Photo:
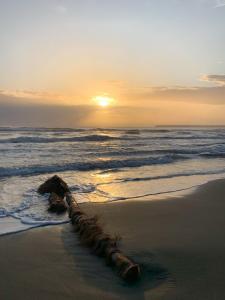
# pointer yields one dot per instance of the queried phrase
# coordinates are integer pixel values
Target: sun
(103, 101)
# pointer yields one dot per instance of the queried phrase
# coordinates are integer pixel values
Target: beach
(112, 150)
(179, 243)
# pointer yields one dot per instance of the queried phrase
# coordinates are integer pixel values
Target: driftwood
(57, 189)
(56, 203)
(91, 232)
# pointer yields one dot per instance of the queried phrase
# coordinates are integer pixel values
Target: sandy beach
(179, 243)
(112, 150)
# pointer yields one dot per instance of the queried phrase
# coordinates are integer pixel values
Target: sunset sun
(103, 101)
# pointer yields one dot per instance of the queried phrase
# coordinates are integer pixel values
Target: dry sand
(179, 242)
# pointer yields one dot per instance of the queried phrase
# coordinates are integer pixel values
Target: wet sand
(179, 243)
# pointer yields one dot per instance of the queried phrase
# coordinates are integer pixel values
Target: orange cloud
(217, 79)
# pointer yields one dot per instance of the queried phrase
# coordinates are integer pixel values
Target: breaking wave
(87, 138)
(87, 166)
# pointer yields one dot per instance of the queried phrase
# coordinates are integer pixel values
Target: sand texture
(179, 242)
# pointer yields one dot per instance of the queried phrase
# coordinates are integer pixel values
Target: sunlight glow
(103, 101)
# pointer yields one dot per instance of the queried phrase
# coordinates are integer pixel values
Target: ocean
(102, 165)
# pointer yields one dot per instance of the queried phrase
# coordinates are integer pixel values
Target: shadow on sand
(95, 272)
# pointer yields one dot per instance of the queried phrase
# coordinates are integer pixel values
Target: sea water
(101, 165)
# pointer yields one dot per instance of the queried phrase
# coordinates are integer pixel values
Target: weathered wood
(57, 189)
(90, 231)
(54, 184)
(102, 244)
(56, 203)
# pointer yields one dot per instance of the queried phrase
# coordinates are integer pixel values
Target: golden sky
(156, 61)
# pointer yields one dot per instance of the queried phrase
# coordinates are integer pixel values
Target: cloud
(17, 110)
(208, 95)
(218, 79)
(32, 97)
(213, 95)
(42, 115)
(129, 95)
(179, 105)
(74, 116)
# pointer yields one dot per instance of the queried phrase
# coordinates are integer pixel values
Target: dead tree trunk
(91, 232)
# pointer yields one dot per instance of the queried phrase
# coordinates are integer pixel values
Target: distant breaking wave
(87, 138)
(87, 166)
(106, 165)
(104, 137)
(41, 129)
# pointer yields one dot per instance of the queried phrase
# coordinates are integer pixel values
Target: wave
(58, 129)
(213, 155)
(172, 137)
(152, 130)
(88, 166)
(216, 152)
(101, 138)
(165, 157)
(132, 131)
(42, 129)
(87, 138)
(181, 137)
(149, 152)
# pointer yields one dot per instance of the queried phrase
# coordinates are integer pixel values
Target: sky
(160, 62)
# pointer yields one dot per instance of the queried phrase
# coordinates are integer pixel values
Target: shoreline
(15, 225)
(178, 241)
